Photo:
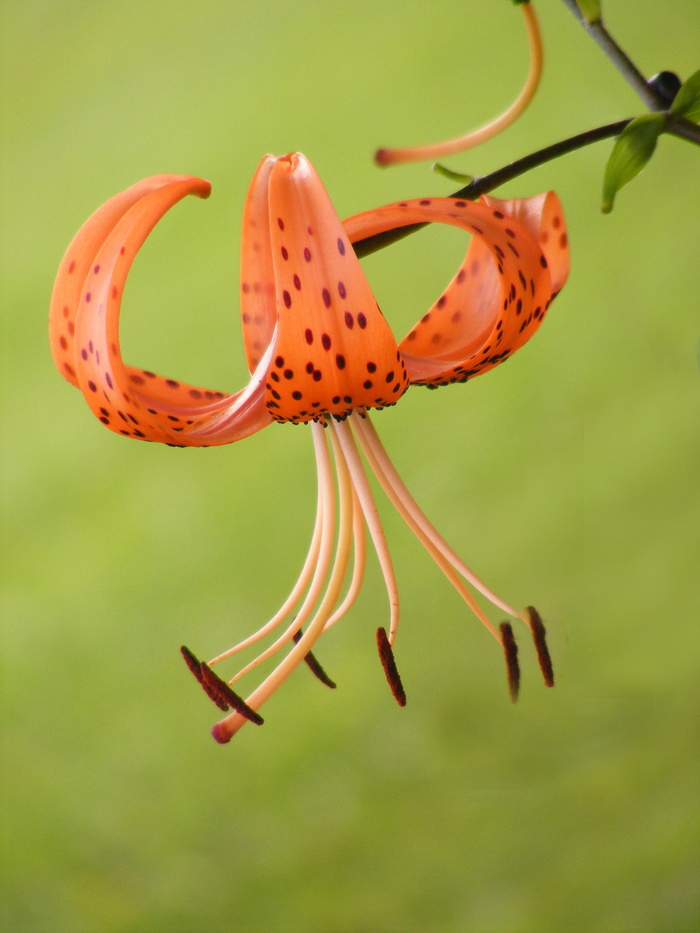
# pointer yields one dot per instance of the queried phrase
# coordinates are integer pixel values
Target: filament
(481, 135)
(444, 556)
(227, 727)
(360, 560)
(309, 570)
(369, 509)
(340, 564)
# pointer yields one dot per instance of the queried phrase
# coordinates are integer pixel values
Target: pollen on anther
(539, 638)
(510, 650)
(386, 656)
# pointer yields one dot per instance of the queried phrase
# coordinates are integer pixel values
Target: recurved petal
(135, 402)
(258, 309)
(492, 306)
(543, 216)
(78, 261)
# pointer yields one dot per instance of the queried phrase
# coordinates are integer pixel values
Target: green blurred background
(568, 478)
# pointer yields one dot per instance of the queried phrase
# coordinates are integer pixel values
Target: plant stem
(488, 182)
(620, 60)
(679, 126)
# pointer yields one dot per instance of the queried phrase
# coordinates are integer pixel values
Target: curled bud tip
(539, 637)
(510, 649)
(220, 734)
(386, 656)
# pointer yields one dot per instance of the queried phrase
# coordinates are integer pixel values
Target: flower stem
(488, 182)
(620, 59)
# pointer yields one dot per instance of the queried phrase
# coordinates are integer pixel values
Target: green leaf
(632, 150)
(687, 100)
(453, 176)
(590, 10)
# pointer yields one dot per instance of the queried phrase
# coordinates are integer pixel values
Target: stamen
(432, 541)
(532, 617)
(192, 661)
(309, 571)
(369, 509)
(360, 560)
(476, 137)
(386, 656)
(510, 650)
(313, 664)
(211, 684)
(224, 730)
(342, 555)
(228, 696)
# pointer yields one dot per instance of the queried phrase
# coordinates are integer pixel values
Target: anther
(386, 656)
(314, 666)
(539, 637)
(510, 650)
(228, 696)
(195, 665)
(217, 689)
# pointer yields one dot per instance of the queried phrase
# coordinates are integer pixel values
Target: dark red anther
(386, 656)
(228, 696)
(195, 665)
(191, 661)
(510, 649)
(539, 637)
(217, 689)
(313, 664)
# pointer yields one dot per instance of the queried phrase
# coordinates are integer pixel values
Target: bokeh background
(568, 478)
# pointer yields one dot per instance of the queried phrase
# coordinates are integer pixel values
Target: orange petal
(258, 311)
(86, 305)
(543, 216)
(334, 351)
(75, 265)
(500, 294)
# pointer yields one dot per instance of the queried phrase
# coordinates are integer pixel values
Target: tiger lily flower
(319, 351)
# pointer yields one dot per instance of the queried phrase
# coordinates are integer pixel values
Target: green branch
(493, 180)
